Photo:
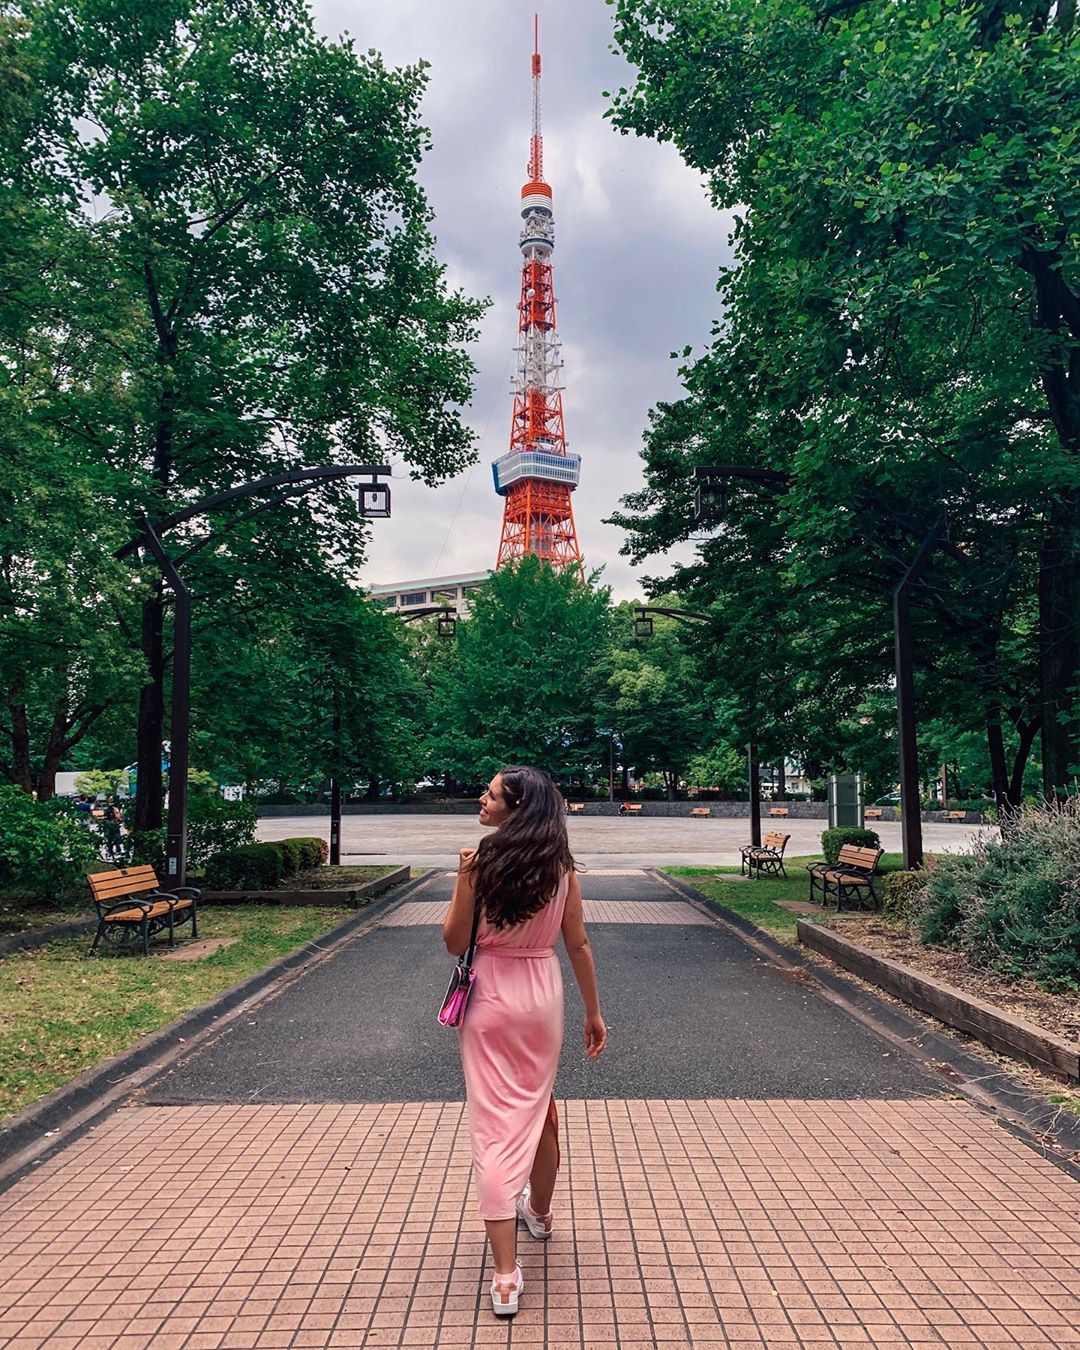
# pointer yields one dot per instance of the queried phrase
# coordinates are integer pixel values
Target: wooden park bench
(630, 809)
(853, 873)
(956, 815)
(765, 859)
(873, 813)
(700, 811)
(131, 904)
(779, 811)
(575, 808)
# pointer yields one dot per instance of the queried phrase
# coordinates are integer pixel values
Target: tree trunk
(1059, 645)
(148, 797)
(1027, 740)
(372, 794)
(54, 751)
(21, 772)
(781, 780)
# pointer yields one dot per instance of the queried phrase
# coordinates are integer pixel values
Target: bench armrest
(126, 903)
(194, 891)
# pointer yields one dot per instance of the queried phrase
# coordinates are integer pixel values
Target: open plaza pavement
(433, 840)
(754, 1161)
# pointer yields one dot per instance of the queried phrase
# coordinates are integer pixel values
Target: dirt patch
(194, 950)
(1059, 1013)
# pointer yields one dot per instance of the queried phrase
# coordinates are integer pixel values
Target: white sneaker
(504, 1296)
(539, 1225)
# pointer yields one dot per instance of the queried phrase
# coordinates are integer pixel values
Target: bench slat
(856, 855)
(159, 908)
(123, 881)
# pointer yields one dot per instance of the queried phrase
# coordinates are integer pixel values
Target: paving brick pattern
(679, 1223)
(417, 912)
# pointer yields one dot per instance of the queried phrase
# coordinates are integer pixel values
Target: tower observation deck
(538, 474)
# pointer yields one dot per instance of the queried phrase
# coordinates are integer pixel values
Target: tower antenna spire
(538, 474)
(536, 145)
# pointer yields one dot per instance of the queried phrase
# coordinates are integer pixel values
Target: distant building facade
(454, 592)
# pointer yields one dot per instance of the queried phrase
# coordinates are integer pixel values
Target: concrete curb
(1023, 1113)
(51, 1123)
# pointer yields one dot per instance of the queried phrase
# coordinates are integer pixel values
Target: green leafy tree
(901, 328)
(522, 685)
(654, 696)
(273, 296)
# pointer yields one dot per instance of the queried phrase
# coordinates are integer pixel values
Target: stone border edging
(74, 1106)
(999, 1030)
(38, 937)
(1022, 1112)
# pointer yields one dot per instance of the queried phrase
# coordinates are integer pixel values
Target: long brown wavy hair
(517, 870)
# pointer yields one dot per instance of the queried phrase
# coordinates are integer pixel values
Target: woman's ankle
(535, 1212)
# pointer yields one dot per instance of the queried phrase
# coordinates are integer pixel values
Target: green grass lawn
(756, 900)
(21, 912)
(62, 1011)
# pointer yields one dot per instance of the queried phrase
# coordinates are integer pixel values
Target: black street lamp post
(910, 807)
(374, 501)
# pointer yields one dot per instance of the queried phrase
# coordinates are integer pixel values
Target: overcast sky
(637, 252)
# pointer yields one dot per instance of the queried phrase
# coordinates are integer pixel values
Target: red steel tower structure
(538, 474)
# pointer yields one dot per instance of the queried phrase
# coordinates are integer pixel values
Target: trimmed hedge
(832, 841)
(262, 867)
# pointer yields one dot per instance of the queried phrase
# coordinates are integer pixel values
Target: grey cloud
(638, 248)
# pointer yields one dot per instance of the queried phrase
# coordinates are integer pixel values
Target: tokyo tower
(537, 475)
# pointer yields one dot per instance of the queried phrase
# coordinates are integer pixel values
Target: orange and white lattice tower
(538, 474)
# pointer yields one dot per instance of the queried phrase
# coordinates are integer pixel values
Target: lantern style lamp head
(446, 625)
(710, 500)
(375, 500)
(643, 625)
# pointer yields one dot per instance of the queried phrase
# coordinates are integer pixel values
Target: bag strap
(467, 959)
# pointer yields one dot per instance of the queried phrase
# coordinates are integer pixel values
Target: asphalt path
(692, 1012)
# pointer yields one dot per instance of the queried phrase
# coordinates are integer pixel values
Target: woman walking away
(523, 882)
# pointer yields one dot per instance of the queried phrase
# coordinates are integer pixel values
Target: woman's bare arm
(579, 950)
(457, 926)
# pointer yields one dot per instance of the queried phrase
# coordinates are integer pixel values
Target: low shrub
(901, 891)
(43, 849)
(251, 867)
(309, 851)
(260, 867)
(291, 856)
(832, 841)
(1013, 905)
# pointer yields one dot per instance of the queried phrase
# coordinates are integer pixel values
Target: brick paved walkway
(742, 1224)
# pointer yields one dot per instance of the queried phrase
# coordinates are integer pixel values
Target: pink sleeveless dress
(510, 1042)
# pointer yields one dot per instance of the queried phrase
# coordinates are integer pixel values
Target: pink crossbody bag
(456, 1000)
